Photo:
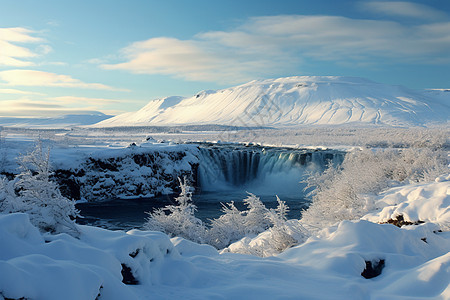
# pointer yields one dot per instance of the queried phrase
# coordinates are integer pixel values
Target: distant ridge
(55, 122)
(294, 101)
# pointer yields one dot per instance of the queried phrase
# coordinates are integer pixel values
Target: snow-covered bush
(345, 192)
(282, 234)
(229, 227)
(180, 219)
(233, 225)
(33, 192)
(8, 201)
(282, 237)
(331, 136)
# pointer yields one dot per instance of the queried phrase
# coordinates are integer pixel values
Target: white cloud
(95, 61)
(24, 110)
(403, 9)
(27, 107)
(19, 92)
(343, 39)
(40, 78)
(30, 104)
(84, 100)
(44, 49)
(53, 63)
(15, 55)
(263, 46)
(108, 106)
(53, 23)
(18, 34)
(192, 60)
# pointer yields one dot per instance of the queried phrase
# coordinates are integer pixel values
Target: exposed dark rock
(143, 159)
(135, 253)
(399, 221)
(102, 165)
(68, 182)
(373, 269)
(99, 293)
(328, 156)
(194, 175)
(6, 298)
(9, 176)
(107, 178)
(127, 275)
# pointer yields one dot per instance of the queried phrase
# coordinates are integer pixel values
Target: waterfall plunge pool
(226, 173)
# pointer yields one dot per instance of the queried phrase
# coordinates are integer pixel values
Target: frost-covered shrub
(229, 227)
(180, 219)
(8, 201)
(331, 136)
(282, 235)
(344, 192)
(233, 225)
(33, 192)
(424, 165)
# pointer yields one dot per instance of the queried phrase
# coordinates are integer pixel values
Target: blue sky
(61, 57)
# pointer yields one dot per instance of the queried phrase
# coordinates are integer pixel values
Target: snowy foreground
(103, 264)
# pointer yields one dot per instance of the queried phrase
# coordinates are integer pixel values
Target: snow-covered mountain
(55, 122)
(292, 101)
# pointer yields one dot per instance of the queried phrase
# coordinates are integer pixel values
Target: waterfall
(260, 170)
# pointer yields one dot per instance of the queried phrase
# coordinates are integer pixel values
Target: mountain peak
(292, 101)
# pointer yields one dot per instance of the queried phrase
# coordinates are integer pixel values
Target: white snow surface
(428, 202)
(329, 266)
(293, 101)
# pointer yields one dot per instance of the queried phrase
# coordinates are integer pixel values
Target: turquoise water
(132, 213)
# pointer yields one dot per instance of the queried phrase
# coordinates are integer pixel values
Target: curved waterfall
(260, 169)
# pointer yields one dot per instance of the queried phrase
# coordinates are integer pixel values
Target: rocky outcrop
(136, 172)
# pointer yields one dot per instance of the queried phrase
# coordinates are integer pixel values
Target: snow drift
(412, 261)
(292, 101)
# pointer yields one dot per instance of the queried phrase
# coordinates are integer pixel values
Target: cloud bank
(19, 77)
(33, 109)
(55, 106)
(265, 46)
(403, 9)
(13, 55)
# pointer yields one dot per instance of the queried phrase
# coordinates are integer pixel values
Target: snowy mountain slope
(291, 101)
(440, 95)
(55, 122)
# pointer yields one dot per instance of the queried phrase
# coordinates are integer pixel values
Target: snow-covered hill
(55, 122)
(292, 101)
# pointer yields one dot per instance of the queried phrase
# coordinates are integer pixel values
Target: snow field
(328, 266)
(424, 202)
